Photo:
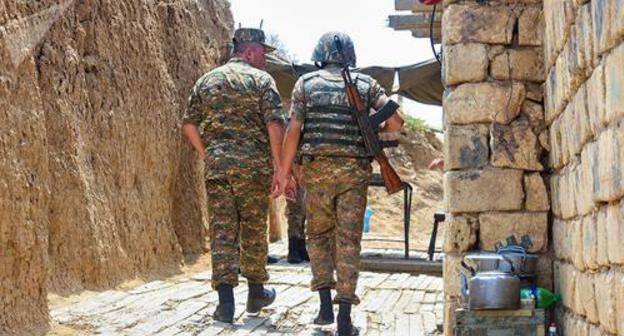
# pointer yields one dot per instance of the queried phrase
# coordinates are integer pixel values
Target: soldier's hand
(436, 164)
(279, 183)
(291, 190)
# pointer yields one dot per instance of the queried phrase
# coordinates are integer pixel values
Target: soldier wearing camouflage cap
(336, 171)
(235, 121)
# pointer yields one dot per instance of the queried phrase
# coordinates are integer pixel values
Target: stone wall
(584, 100)
(496, 136)
(97, 185)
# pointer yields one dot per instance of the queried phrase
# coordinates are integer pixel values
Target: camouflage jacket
(232, 105)
(320, 103)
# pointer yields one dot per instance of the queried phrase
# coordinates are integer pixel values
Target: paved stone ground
(392, 304)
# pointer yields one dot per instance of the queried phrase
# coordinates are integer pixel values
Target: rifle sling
(384, 113)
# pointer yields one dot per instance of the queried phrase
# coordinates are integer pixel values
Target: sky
(300, 24)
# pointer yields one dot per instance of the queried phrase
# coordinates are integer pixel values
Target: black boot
(345, 327)
(303, 251)
(326, 313)
(225, 309)
(272, 260)
(294, 255)
(259, 298)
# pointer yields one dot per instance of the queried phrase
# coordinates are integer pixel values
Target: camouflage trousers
(295, 213)
(237, 207)
(335, 201)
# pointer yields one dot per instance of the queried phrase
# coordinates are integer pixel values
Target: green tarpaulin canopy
(420, 82)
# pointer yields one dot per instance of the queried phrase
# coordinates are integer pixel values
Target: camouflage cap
(251, 35)
(326, 51)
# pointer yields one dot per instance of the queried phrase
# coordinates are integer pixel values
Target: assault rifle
(392, 181)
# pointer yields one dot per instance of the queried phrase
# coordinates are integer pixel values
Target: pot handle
(464, 286)
(468, 268)
(511, 267)
(515, 249)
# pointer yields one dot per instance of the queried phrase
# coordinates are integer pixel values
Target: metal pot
(491, 289)
(485, 261)
(524, 264)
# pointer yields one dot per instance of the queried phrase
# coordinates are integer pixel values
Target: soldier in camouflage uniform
(336, 171)
(235, 121)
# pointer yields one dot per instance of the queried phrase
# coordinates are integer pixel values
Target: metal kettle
(491, 289)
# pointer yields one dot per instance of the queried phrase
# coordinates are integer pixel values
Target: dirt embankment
(96, 184)
(410, 159)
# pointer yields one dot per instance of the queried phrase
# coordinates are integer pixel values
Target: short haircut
(242, 47)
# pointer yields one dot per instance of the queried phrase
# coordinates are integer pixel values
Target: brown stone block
(586, 296)
(477, 23)
(484, 103)
(465, 63)
(531, 27)
(466, 147)
(603, 19)
(555, 144)
(562, 239)
(451, 270)
(602, 246)
(490, 189)
(585, 42)
(550, 93)
(535, 112)
(525, 64)
(615, 233)
(535, 92)
(596, 100)
(608, 184)
(576, 233)
(590, 242)
(618, 27)
(503, 228)
(567, 196)
(460, 234)
(619, 301)
(565, 283)
(536, 195)
(554, 32)
(614, 84)
(515, 146)
(584, 180)
(582, 131)
(606, 297)
(589, 169)
(555, 198)
(564, 83)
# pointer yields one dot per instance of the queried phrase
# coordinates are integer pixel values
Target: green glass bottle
(542, 296)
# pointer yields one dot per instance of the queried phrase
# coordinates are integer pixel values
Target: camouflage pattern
(237, 209)
(251, 35)
(326, 51)
(336, 176)
(335, 205)
(231, 106)
(319, 101)
(295, 213)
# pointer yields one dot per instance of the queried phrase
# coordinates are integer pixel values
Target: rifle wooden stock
(392, 181)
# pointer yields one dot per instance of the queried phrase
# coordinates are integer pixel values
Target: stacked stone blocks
(584, 100)
(496, 133)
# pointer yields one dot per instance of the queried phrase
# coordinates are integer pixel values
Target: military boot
(303, 251)
(259, 298)
(225, 309)
(294, 251)
(326, 313)
(345, 327)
